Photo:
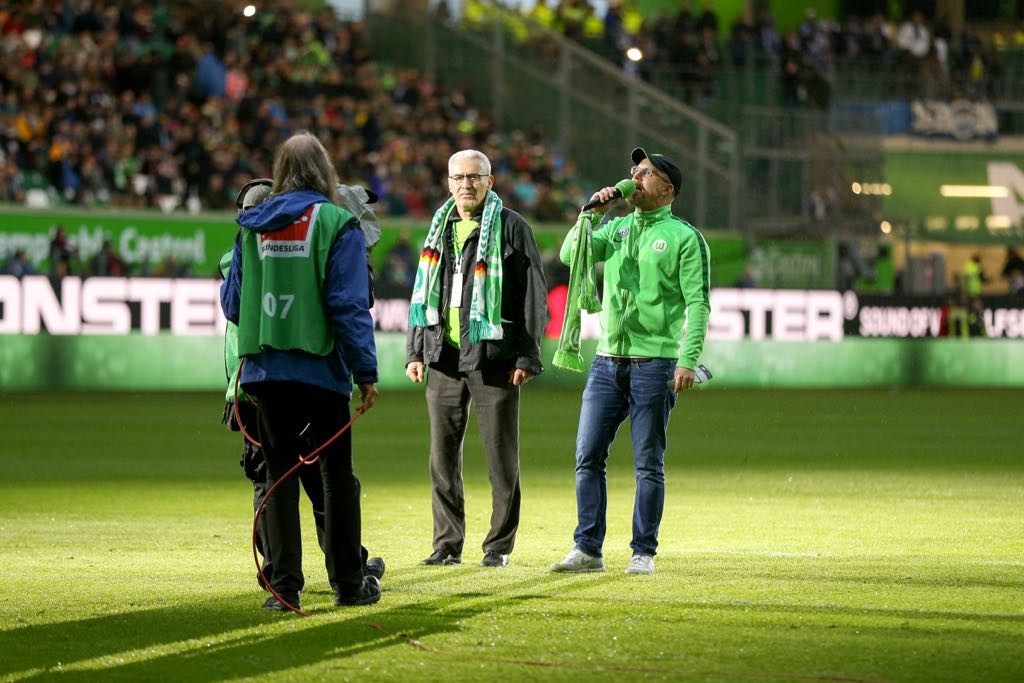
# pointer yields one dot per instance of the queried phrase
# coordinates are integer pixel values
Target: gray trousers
(449, 395)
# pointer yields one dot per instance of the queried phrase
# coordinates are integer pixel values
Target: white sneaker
(641, 564)
(578, 561)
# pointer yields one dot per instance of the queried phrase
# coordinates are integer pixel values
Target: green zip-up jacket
(657, 276)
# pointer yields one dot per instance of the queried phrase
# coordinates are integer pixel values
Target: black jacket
(524, 312)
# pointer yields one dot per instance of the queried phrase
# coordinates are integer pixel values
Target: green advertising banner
(161, 362)
(940, 192)
(144, 240)
(792, 264)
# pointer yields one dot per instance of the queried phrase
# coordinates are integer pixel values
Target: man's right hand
(414, 371)
(605, 196)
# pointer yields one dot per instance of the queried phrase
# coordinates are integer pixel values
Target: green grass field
(808, 536)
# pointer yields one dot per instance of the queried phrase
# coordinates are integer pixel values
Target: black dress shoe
(375, 568)
(367, 594)
(441, 557)
(492, 559)
(272, 604)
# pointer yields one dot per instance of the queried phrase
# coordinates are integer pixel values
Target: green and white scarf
(582, 294)
(485, 306)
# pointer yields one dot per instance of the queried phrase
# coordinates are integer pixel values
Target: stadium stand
(124, 106)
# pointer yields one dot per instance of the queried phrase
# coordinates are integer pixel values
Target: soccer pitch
(808, 536)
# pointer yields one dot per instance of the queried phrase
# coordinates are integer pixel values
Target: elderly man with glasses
(476, 319)
(656, 278)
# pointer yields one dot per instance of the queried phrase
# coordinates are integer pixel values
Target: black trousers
(293, 419)
(449, 394)
(255, 467)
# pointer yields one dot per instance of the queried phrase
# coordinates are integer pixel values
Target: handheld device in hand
(700, 375)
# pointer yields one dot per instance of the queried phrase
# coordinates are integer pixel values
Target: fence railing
(593, 111)
(806, 176)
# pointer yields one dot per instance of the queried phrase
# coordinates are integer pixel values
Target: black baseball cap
(664, 164)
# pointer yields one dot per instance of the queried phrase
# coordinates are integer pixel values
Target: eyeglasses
(473, 178)
(644, 171)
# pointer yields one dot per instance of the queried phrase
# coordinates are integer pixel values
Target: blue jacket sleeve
(347, 296)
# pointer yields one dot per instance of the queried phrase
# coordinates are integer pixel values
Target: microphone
(624, 188)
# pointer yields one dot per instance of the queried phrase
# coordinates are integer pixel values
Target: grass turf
(808, 536)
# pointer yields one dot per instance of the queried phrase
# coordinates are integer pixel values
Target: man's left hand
(519, 377)
(368, 392)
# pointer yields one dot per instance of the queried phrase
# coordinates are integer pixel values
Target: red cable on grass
(303, 460)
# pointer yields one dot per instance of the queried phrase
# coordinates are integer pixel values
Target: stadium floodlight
(634, 54)
(974, 191)
(249, 11)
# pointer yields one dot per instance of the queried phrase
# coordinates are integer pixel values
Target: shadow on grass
(230, 637)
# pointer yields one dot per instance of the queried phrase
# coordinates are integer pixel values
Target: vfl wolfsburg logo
(658, 246)
(623, 231)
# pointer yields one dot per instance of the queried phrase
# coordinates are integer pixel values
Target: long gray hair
(302, 163)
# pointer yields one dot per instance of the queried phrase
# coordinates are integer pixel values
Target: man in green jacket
(656, 278)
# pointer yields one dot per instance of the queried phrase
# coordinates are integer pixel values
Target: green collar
(645, 218)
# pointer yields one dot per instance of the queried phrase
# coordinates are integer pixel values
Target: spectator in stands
(548, 206)
(18, 265)
(1013, 262)
(973, 277)
(174, 268)
(400, 269)
(769, 39)
(61, 252)
(443, 12)
(708, 20)
(615, 38)
(571, 16)
(747, 280)
(914, 38)
(106, 262)
(976, 318)
(945, 326)
(1017, 283)
(877, 38)
(741, 38)
(956, 316)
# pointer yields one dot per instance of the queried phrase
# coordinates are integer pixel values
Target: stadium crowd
(177, 105)
(690, 48)
(123, 105)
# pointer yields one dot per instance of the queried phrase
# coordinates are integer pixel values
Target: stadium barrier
(161, 334)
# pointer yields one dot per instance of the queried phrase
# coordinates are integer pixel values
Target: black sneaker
(493, 559)
(441, 557)
(272, 604)
(367, 594)
(375, 568)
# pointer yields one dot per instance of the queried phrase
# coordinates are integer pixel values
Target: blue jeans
(615, 391)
